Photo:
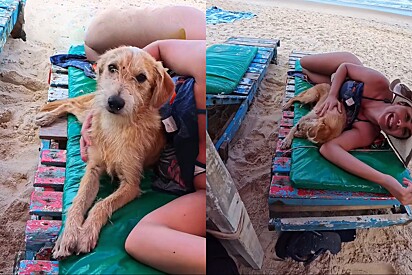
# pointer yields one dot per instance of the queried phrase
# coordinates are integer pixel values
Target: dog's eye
(112, 68)
(140, 78)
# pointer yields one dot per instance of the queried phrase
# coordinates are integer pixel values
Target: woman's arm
(185, 57)
(188, 58)
(375, 80)
(336, 151)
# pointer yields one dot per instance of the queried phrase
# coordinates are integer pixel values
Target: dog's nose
(116, 103)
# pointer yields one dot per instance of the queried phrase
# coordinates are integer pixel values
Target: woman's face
(396, 120)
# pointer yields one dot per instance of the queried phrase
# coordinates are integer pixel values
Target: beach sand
(51, 27)
(382, 41)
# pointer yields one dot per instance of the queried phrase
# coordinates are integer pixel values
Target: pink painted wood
(53, 157)
(286, 122)
(40, 238)
(283, 132)
(50, 176)
(29, 267)
(288, 114)
(46, 203)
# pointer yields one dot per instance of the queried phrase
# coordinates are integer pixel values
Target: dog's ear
(319, 134)
(101, 64)
(164, 87)
(312, 131)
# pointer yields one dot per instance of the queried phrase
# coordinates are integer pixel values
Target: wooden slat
(286, 122)
(338, 223)
(288, 114)
(59, 70)
(56, 93)
(40, 237)
(59, 80)
(47, 203)
(325, 208)
(50, 176)
(283, 132)
(56, 131)
(53, 157)
(273, 43)
(31, 267)
(251, 44)
(281, 165)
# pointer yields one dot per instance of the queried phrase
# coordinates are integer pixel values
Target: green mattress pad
(226, 65)
(311, 170)
(109, 257)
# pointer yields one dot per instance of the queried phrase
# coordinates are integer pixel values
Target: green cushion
(109, 257)
(310, 170)
(226, 65)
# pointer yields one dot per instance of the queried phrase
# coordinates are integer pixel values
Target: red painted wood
(50, 176)
(288, 114)
(283, 132)
(286, 122)
(29, 267)
(40, 238)
(46, 203)
(53, 157)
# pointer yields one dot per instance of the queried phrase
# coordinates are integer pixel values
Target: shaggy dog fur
(126, 135)
(318, 130)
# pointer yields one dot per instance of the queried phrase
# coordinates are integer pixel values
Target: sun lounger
(304, 181)
(244, 90)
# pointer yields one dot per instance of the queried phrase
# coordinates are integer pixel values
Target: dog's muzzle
(115, 104)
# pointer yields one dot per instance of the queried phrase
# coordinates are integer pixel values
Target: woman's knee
(135, 239)
(348, 57)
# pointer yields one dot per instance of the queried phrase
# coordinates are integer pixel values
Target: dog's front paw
(88, 238)
(44, 119)
(65, 244)
(286, 143)
(287, 105)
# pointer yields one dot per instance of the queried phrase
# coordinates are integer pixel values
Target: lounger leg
(89, 186)
(100, 213)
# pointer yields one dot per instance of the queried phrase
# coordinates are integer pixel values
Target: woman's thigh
(185, 214)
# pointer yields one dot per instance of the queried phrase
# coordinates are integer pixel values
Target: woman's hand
(330, 103)
(85, 141)
(402, 194)
(406, 197)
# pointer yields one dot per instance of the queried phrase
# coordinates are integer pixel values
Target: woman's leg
(172, 238)
(320, 67)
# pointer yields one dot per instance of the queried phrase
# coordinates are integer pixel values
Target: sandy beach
(382, 42)
(51, 27)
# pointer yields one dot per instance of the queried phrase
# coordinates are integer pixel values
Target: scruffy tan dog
(126, 136)
(317, 129)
